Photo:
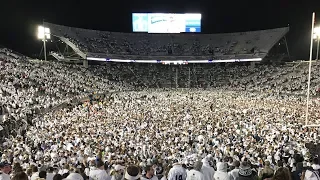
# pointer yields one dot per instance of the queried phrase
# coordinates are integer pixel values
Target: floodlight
(43, 33)
(316, 35)
(317, 30)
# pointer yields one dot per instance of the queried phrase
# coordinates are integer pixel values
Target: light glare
(43, 33)
(316, 32)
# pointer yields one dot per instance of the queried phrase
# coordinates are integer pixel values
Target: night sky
(19, 19)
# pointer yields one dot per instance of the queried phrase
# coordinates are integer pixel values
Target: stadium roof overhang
(91, 56)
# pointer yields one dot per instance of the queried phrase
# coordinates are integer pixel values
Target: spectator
(234, 174)
(195, 173)
(149, 174)
(207, 170)
(221, 172)
(35, 173)
(57, 177)
(282, 174)
(50, 173)
(43, 174)
(20, 176)
(267, 172)
(246, 173)
(296, 175)
(177, 172)
(315, 164)
(5, 167)
(118, 173)
(99, 173)
(132, 173)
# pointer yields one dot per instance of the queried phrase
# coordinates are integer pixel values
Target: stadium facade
(96, 45)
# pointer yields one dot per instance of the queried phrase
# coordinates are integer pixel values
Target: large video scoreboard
(166, 22)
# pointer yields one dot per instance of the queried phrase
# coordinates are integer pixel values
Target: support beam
(252, 65)
(85, 63)
(176, 76)
(44, 48)
(317, 58)
(285, 40)
(189, 83)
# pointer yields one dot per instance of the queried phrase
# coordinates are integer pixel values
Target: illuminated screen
(166, 22)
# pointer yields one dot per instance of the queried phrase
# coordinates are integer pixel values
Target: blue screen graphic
(193, 25)
(140, 22)
(166, 22)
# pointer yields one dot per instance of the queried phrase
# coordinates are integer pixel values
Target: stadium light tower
(310, 59)
(44, 34)
(316, 36)
(314, 31)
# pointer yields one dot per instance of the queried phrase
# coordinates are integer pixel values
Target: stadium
(166, 103)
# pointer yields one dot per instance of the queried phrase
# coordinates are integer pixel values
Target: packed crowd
(246, 44)
(290, 78)
(30, 87)
(246, 125)
(191, 134)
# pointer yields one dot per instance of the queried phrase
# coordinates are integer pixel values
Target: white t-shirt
(194, 175)
(63, 171)
(99, 174)
(234, 174)
(310, 175)
(177, 172)
(4, 176)
(50, 176)
(35, 176)
(208, 172)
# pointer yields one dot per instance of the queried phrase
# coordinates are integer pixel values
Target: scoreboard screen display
(166, 22)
